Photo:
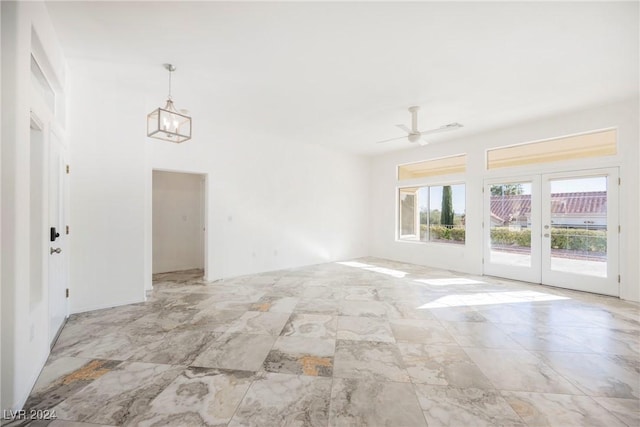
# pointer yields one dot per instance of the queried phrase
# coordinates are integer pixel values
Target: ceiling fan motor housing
(414, 137)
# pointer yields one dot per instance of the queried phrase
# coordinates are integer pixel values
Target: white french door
(557, 229)
(512, 231)
(580, 231)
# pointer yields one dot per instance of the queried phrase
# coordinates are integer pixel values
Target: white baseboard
(101, 307)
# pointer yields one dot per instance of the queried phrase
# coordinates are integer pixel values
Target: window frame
(416, 221)
(439, 181)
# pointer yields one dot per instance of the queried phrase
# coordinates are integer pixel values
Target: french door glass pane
(511, 224)
(578, 235)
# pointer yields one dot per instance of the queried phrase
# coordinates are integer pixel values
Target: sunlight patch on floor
(488, 298)
(369, 267)
(450, 281)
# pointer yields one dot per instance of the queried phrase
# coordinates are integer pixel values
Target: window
(432, 213)
(433, 167)
(41, 85)
(596, 144)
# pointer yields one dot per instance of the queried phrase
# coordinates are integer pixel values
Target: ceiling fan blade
(404, 128)
(445, 128)
(392, 139)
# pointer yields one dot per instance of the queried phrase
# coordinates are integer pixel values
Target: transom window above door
(588, 145)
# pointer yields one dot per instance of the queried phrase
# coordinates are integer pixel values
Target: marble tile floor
(368, 342)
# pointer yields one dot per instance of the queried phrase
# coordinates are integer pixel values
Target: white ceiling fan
(414, 135)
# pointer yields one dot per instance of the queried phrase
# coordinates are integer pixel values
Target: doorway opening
(178, 222)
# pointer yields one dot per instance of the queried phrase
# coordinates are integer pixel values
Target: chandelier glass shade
(167, 123)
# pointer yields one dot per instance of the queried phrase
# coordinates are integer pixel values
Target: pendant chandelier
(168, 123)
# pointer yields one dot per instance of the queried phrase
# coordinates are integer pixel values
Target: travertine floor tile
(538, 409)
(450, 406)
(379, 361)
(373, 403)
(280, 399)
(301, 356)
(366, 342)
(244, 352)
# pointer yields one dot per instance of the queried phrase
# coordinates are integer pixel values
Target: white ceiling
(342, 74)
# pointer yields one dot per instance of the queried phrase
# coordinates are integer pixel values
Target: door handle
(54, 251)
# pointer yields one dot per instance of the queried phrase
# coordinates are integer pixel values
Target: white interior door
(48, 203)
(580, 231)
(57, 237)
(557, 229)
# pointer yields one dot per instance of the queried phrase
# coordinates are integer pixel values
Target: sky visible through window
(579, 185)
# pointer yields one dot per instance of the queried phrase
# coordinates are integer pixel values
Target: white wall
(178, 241)
(107, 207)
(274, 204)
(271, 203)
(468, 258)
(1, 387)
(25, 328)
